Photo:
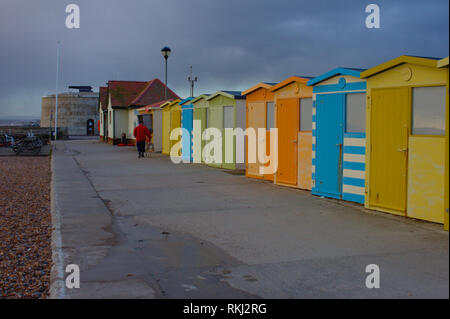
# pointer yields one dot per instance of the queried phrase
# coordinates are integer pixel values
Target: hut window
(428, 110)
(228, 117)
(356, 113)
(269, 117)
(306, 114)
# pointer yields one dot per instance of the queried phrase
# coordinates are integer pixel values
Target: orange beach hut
(293, 119)
(260, 114)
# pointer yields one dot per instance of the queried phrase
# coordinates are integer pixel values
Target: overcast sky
(231, 44)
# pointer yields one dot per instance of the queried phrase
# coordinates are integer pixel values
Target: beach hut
(152, 118)
(187, 116)
(175, 122)
(339, 134)
(293, 119)
(406, 137)
(226, 109)
(260, 114)
(165, 127)
(200, 113)
(443, 64)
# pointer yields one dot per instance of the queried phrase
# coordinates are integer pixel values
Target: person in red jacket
(141, 132)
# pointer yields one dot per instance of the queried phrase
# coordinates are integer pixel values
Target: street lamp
(56, 91)
(165, 53)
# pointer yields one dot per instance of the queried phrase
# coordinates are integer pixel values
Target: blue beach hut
(339, 134)
(187, 115)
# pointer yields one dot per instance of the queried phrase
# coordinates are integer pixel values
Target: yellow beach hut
(175, 122)
(406, 137)
(166, 127)
(444, 64)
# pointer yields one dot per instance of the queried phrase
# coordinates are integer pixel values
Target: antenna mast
(192, 82)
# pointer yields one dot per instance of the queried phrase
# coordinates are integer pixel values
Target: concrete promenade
(147, 228)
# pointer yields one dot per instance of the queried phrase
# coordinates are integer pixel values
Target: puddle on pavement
(174, 265)
(183, 266)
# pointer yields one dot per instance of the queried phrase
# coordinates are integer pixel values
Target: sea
(19, 120)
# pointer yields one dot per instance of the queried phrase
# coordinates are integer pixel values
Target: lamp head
(165, 52)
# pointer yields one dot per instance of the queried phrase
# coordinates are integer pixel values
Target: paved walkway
(152, 229)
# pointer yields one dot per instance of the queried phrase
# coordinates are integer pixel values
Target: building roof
(156, 105)
(186, 100)
(103, 97)
(425, 61)
(122, 93)
(442, 63)
(81, 88)
(137, 93)
(337, 71)
(153, 92)
(292, 79)
(170, 103)
(200, 97)
(261, 85)
(237, 95)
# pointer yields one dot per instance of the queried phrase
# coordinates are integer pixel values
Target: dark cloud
(231, 44)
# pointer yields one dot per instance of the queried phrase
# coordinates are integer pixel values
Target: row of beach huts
(375, 136)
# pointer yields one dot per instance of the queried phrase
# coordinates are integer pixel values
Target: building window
(355, 113)
(206, 118)
(109, 116)
(428, 110)
(228, 117)
(269, 117)
(306, 114)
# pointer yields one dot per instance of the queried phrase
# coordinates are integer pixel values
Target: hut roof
(425, 61)
(337, 71)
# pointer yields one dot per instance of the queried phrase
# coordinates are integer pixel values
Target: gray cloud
(231, 44)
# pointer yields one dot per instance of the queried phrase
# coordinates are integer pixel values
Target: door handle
(402, 149)
(294, 141)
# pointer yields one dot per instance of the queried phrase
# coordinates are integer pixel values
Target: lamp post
(165, 53)
(56, 91)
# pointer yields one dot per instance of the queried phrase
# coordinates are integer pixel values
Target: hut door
(187, 136)
(256, 119)
(287, 124)
(329, 131)
(90, 127)
(175, 122)
(228, 122)
(389, 130)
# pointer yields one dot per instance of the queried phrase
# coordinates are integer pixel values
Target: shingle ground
(25, 227)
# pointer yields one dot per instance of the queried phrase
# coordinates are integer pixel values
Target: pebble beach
(25, 227)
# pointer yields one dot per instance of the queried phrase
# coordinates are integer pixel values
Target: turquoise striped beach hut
(187, 117)
(339, 134)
